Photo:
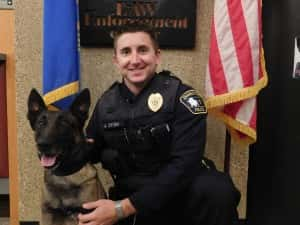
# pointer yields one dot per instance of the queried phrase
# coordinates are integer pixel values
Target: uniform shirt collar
(128, 95)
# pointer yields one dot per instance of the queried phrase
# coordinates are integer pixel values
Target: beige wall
(97, 73)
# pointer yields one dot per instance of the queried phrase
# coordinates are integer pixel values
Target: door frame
(7, 46)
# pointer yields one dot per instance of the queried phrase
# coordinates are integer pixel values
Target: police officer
(150, 133)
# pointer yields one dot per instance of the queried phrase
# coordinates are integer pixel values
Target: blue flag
(61, 52)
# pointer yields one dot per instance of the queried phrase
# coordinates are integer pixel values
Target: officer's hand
(90, 140)
(104, 213)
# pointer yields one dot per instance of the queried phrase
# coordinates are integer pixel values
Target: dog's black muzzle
(68, 211)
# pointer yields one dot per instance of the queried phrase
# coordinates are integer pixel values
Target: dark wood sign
(174, 20)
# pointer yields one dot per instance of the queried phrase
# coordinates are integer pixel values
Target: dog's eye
(42, 121)
(64, 122)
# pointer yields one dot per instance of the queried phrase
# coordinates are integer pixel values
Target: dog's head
(57, 132)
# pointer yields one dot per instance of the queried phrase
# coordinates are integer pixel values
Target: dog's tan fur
(89, 189)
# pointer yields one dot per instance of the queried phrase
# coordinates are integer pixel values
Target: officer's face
(136, 58)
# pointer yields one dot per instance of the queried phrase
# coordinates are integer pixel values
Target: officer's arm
(94, 137)
(188, 143)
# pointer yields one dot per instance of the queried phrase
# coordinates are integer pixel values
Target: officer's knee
(212, 199)
(215, 189)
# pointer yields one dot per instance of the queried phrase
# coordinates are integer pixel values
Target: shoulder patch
(193, 102)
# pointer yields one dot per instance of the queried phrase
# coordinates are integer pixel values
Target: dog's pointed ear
(80, 106)
(35, 105)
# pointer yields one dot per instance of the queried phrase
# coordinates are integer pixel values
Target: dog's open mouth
(48, 161)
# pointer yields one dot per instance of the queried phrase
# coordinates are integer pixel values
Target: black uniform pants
(211, 199)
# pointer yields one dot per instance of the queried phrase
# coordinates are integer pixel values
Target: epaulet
(168, 74)
(116, 83)
(165, 73)
(107, 91)
(113, 85)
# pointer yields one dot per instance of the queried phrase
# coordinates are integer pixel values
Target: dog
(69, 179)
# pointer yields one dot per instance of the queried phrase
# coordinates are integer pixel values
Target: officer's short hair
(136, 27)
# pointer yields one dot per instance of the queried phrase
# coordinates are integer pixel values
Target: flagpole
(227, 152)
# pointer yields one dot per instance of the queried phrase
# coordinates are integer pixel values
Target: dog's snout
(43, 144)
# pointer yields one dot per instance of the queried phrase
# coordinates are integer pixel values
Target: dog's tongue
(48, 161)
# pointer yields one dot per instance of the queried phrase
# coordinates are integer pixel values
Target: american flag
(236, 70)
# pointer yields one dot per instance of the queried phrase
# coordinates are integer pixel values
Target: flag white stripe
(250, 11)
(208, 84)
(245, 112)
(227, 47)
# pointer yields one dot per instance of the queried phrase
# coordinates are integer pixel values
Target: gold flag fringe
(234, 125)
(242, 94)
(52, 108)
(62, 92)
(215, 105)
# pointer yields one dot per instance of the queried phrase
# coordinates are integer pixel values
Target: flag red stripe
(260, 75)
(233, 108)
(216, 69)
(260, 37)
(241, 41)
